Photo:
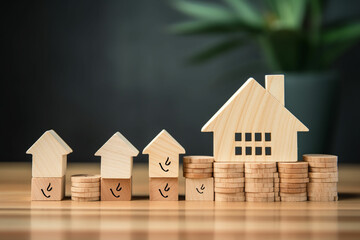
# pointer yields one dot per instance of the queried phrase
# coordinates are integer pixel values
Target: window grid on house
(258, 139)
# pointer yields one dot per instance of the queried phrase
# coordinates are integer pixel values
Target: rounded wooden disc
(322, 185)
(293, 175)
(259, 175)
(85, 194)
(260, 199)
(293, 165)
(198, 159)
(260, 170)
(322, 165)
(228, 190)
(259, 180)
(228, 165)
(323, 170)
(228, 170)
(82, 199)
(292, 185)
(321, 158)
(81, 189)
(293, 170)
(235, 199)
(85, 178)
(198, 165)
(260, 165)
(276, 174)
(276, 180)
(228, 175)
(324, 180)
(292, 190)
(276, 184)
(229, 195)
(294, 180)
(323, 194)
(284, 194)
(323, 175)
(85, 185)
(265, 190)
(197, 170)
(259, 185)
(293, 199)
(229, 185)
(323, 199)
(197, 175)
(261, 194)
(229, 180)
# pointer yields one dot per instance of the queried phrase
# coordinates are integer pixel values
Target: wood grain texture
(116, 189)
(21, 218)
(253, 109)
(275, 85)
(117, 157)
(49, 155)
(164, 189)
(199, 189)
(48, 188)
(163, 153)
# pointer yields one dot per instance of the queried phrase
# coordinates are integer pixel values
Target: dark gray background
(90, 68)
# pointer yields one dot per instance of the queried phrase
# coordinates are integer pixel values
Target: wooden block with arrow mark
(201, 189)
(164, 189)
(48, 188)
(116, 189)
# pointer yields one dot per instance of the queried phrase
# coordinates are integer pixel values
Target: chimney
(274, 84)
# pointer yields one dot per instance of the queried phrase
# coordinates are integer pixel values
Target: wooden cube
(164, 189)
(200, 189)
(47, 188)
(116, 189)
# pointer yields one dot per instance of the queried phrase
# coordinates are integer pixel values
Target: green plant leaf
(217, 50)
(204, 11)
(245, 12)
(344, 33)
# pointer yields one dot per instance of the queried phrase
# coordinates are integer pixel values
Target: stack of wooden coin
(293, 179)
(259, 182)
(198, 166)
(85, 188)
(323, 174)
(229, 182)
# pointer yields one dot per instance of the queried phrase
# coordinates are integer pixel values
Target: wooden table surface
(139, 219)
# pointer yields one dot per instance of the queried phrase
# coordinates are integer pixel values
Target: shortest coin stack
(85, 188)
(323, 174)
(293, 179)
(259, 182)
(198, 166)
(229, 182)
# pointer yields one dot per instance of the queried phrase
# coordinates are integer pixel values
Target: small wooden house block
(254, 125)
(47, 188)
(164, 189)
(49, 155)
(163, 153)
(199, 189)
(117, 157)
(116, 189)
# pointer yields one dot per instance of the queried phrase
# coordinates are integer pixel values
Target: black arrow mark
(163, 168)
(167, 162)
(45, 194)
(166, 189)
(118, 188)
(117, 196)
(49, 188)
(202, 188)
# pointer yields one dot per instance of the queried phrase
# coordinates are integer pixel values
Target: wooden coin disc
(229, 199)
(260, 165)
(276, 180)
(293, 175)
(293, 199)
(259, 175)
(323, 199)
(276, 184)
(198, 170)
(259, 180)
(293, 190)
(323, 175)
(228, 175)
(197, 175)
(294, 180)
(302, 194)
(229, 180)
(322, 185)
(85, 194)
(320, 158)
(198, 165)
(85, 185)
(229, 185)
(230, 195)
(85, 178)
(292, 185)
(228, 170)
(82, 199)
(276, 174)
(259, 185)
(324, 180)
(322, 194)
(228, 190)
(322, 165)
(260, 199)
(228, 165)
(198, 159)
(323, 170)
(293, 165)
(260, 170)
(260, 194)
(79, 189)
(293, 170)
(264, 190)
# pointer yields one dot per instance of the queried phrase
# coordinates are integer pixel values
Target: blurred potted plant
(293, 39)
